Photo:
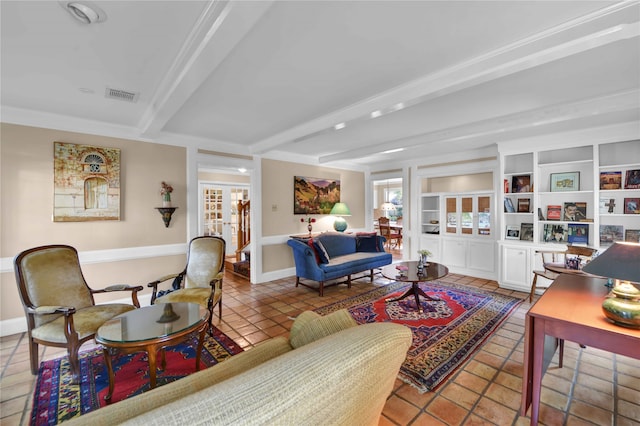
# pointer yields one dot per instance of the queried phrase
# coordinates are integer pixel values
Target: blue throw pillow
(367, 243)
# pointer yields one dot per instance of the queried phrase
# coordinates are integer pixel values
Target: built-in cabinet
(559, 196)
(457, 229)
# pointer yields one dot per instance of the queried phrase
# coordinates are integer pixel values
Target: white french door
(218, 212)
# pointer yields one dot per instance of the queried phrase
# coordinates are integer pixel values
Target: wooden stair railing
(244, 227)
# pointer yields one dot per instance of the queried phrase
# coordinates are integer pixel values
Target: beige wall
(461, 183)
(27, 205)
(277, 206)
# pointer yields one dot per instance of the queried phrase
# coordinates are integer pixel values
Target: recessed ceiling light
(242, 170)
(84, 11)
(86, 90)
(398, 106)
(389, 151)
(340, 126)
(375, 114)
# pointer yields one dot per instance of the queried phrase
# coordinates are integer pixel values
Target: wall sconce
(340, 210)
(166, 213)
(621, 262)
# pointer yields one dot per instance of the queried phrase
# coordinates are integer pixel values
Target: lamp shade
(620, 261)
(340, 209)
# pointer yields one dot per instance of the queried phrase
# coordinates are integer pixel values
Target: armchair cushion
(198, 295)
(86, 321)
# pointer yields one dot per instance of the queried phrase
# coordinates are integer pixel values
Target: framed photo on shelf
(632, 206)
(574, 212)
(610, 233)
(523, 205)
(554, 233)
(513, 232)
(508, 205)
(568, 181)
(521, 183)
(578, 233)
(632, 179)
(632, 235)
(526, 231)
(610, 180)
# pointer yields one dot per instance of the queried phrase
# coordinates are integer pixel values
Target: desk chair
(569, 261)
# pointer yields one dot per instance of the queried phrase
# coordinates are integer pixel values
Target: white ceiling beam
(222, 25)
(618, 102)
(566, 40)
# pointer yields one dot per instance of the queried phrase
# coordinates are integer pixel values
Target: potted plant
(424, 255)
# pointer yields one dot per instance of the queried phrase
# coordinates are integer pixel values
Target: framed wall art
(86, 183)
(568, 181)
(314, 195)
(632, 179)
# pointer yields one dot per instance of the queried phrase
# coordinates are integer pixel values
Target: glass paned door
(219, 211)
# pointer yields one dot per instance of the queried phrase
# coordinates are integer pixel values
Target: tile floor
(593, 388)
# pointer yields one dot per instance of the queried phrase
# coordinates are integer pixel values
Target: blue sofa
(333, 255)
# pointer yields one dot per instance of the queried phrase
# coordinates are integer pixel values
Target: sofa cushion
(337, 243)
(321, 251)
(309, 326)
(367, 242)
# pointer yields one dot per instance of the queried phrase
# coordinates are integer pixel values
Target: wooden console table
(570, 309)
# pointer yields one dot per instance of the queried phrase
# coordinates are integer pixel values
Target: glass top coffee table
(432, 271)
(149, 329)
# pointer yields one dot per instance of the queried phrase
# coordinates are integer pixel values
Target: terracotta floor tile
(426, 419)
(471, 381)
(555, 399)
(399, 410)
(447, 411)
(629, 410)
(494, 412)
(462, 396)
(416, 398)
(593, 397)
(480, 369)
(504, 396)
(589, 412)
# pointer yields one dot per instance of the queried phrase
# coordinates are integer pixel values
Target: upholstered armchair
(58, 303)
(200, 281)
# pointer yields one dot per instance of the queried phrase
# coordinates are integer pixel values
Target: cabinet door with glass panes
(468, 214)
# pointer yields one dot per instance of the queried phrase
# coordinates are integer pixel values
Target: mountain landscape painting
(314, 195)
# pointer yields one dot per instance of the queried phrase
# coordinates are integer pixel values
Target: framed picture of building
(86, 183)
(569, 181)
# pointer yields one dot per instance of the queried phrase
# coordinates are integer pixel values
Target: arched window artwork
(94, 163)
(87, 183)
(95, 193)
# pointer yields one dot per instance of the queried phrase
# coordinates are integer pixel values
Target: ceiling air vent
(121, 95)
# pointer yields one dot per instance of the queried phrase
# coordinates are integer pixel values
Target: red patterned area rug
(445, 334)
(56, 399)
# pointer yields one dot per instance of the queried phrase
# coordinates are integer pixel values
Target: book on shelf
(526, 231)
(610, 180)
(554, 212)
(554, 233)
(523, 205)
(508, 205)
(521, 183)
(506, 186)
(611, 233)
(578, 233)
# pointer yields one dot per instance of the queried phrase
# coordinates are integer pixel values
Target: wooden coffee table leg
(151, 352)
(112, 379)
(200, 345)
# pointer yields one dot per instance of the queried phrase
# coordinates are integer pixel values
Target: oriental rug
(55, 399)
(445, 334)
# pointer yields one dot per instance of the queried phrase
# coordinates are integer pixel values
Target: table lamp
(340, 210)
(621, 262)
